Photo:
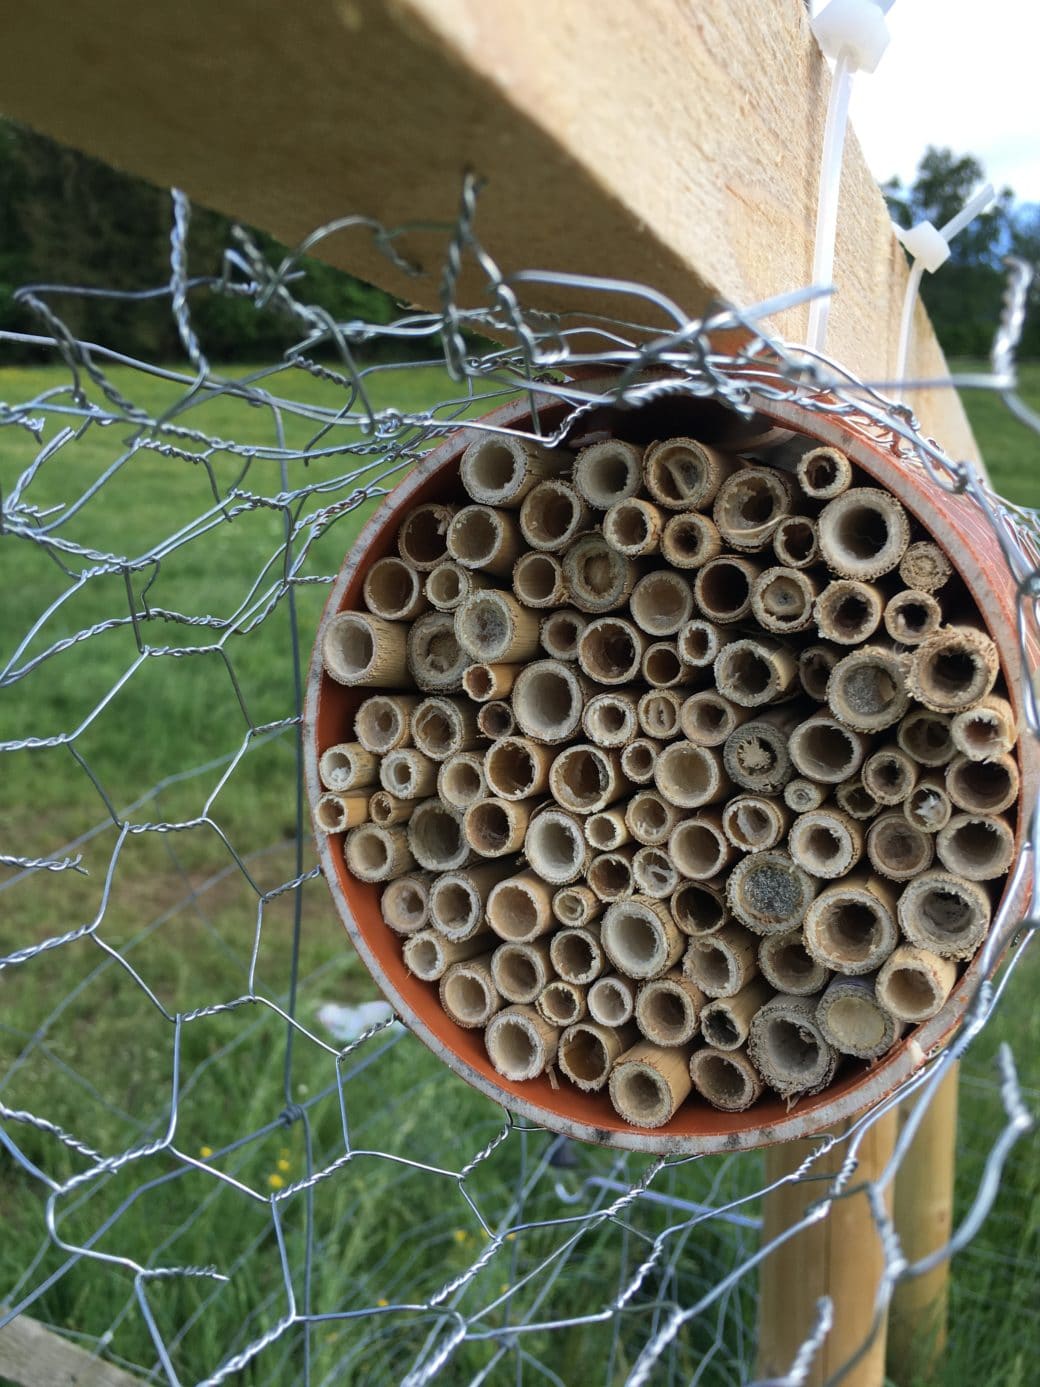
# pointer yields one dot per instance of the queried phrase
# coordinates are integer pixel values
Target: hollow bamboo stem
(520, 1043)
(501, 469)
(538, 580)
(853, 1022)
(824, 473)
(726, 1021)
(436, 661)
(335, 813)
(405, 903)
(519, 908)
(682, 474)
(788, 965)
(851, 927)
(522, 971)
(588, 1051)
(384, 722)
(690, 540)
(647, 1084)
(552, 516)
(358, 648)
(634, 527)
(486, 538)
(493, 628)
(348, 766)
(750, 504)
(722, 964)
(460, 780)
(422, 537)
(788, 1048)
(726, 1078)
(925, 566)
(668, 1009)
(863, 533)
(468, 994)
(607, 472)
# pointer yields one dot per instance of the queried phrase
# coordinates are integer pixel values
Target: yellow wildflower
(205, 1152)
(284, 1165)
(460, 1235)
(276, 1182)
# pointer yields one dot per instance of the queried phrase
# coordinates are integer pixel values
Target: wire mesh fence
(217, 1164)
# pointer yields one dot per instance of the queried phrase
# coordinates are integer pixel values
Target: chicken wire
(219, 1187)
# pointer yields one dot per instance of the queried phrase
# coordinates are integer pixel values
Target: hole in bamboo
(444, 586)
(791, 1047)
(467, 997)
(585, 1056)
(421, 538)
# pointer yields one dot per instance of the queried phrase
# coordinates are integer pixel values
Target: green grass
(82, 1044)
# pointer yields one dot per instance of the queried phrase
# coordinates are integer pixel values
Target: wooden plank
(670, 143)
(32, 1355)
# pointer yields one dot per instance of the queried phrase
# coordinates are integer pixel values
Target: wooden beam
(674, 144)
(31, 1355)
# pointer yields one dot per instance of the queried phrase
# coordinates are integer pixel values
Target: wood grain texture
(672, 143)
(32, 1355)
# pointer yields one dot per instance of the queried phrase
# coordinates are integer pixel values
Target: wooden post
(840, 1256)
(924, 1221)
(31, 1355)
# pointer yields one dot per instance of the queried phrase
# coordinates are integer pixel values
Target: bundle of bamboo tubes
(686, 775)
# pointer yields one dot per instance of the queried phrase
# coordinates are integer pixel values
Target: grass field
(83, 1045)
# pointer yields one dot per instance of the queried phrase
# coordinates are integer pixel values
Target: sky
(959, 73)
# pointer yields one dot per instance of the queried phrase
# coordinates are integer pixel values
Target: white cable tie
(854, 27)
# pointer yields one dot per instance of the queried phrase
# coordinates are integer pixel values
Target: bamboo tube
(648, 1085)
(610, 649)
(384, 722)
(493, 628)
(612, 719)
(826, 842)
(953, 669)
(699, 848)
(459, 900)
(576, 906)
(668, 1009)
(863, 533)
(495, 719)
(722, 588)
(944, 913)
(519, 908)
(662, 602)
(393, 590)
(928, 807)
(555, 847)
(560, 633)
(538, 580)
(634, 527)
(442, 727)
(436, 661)
(358, 648)
(663, 668)
(607, 830)
(553, 515)
(722, 964)
(640, 937)
(690, 540)
(502, 469)
(483, 683)
(754, 672)
(650, 817)
(926, 737)
(840, 1256)
(851, 927)
(699, 908)
(654, 873)
(486, 538)
(924, 1192)
(707, 718)
(824, 473)
(387, 809)
(815, 663)
(608, 471)
(548, 701)
(852, 1021)
(782, 599)
(890, 774)
(788, 965)
(683, 474)
(449, 584)
(335, 813)
(405, 902)
(588, 1051)
(986, 731)
(924, 566)
(373, 853)
(700, 642)
(610, 874)
(348, 766)
(521, 971)
(468, 994)
(795, 542)
(519, 1043)
(408, 774)
(638, 758)
(598, 578)
(725, 1079)
(769, 892)
(690, 776)
(787, 1047)
(612, 1000)
(429, 955)
(848, 612)
(801, 794)
(825, 750)
(561, 1003)
(435, 836)
(897, 848)
(750, 504)
(911, 616)
(497, 827)
(576, 955)
(585, 778)
(753, 823)
(517, 768)
(913, 983)
(977, 846)
(756, 755)
(726, 1021)
(422, 537)
(983, 787)
(658, 712)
